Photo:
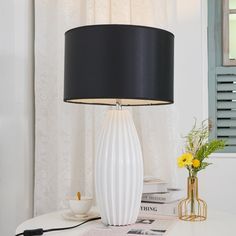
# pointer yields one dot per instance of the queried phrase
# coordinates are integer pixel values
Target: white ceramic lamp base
(118, 170)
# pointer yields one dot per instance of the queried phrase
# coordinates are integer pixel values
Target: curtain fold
(66, 134)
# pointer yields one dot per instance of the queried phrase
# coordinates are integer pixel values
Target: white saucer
(69, 215)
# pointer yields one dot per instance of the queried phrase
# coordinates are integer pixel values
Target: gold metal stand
(192, 208)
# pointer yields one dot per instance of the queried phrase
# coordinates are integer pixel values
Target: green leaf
(204, 165)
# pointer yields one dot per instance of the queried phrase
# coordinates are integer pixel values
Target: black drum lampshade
(130, 64)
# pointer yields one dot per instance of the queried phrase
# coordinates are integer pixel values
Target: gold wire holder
(192, 208)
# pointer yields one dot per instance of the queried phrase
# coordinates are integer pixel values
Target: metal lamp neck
(118, 105)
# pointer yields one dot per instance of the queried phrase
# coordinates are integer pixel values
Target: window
(229, 32)
(222, 70)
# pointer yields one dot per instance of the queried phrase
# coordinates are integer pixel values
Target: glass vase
(192, 208)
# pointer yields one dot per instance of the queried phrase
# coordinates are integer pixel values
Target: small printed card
(143, 226)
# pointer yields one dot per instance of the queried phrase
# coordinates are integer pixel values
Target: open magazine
(143, 226)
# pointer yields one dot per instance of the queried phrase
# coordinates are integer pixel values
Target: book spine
(170, 209)
(155, 198)
(160, 188)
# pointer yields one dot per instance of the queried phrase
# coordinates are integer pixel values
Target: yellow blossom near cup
(185, 160)
(196, 163)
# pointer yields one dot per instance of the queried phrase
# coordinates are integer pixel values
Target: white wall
(216, 183)
(16, 113)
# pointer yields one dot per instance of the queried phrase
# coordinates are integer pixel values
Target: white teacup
(80, 207)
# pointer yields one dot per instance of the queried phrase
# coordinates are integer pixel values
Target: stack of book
(158, 199)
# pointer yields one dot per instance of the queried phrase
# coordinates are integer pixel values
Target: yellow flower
(196, 163)
(185, 160)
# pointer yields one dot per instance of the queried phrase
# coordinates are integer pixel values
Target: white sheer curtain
(66, 133)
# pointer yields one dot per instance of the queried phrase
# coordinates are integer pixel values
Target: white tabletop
(217, 224)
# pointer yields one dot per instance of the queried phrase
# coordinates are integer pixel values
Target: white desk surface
(217, 224)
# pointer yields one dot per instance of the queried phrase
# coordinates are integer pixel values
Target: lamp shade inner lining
(123, 102)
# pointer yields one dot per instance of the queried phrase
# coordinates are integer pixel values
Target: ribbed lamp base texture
(118, 170)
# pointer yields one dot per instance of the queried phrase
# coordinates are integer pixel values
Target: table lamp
(118, 65)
